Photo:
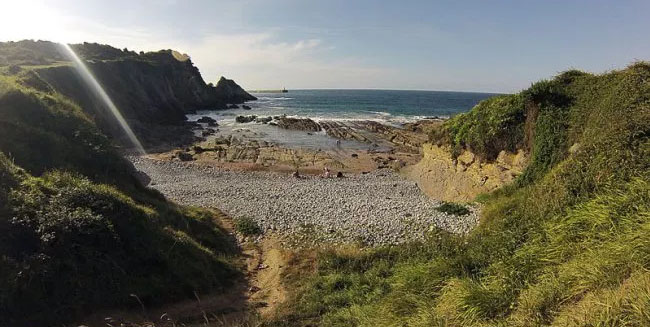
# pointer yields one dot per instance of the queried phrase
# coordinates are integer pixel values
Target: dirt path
(259, 292)
(266, 279)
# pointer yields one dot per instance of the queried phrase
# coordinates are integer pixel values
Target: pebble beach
(377, 208)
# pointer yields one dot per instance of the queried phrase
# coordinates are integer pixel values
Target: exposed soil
(266, 278)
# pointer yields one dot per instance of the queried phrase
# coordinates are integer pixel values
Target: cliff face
(152, 90)
(462, 179)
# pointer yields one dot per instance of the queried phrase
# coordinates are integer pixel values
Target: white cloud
(255, 60)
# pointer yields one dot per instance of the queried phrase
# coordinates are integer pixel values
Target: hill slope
(78, 231)
(567, 244)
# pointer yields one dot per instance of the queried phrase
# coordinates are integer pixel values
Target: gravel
(377, 208)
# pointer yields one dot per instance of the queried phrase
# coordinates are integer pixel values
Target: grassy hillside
(77, 230)
(568, 244)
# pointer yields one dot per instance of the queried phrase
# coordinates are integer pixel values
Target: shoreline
(287, 144)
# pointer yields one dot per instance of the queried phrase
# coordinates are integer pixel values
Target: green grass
(567, 244)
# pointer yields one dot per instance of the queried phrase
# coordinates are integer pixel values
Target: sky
(482, 45)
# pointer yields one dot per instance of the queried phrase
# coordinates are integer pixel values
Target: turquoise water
(385, 106)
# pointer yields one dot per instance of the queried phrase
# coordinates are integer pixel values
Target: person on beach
(326, 172)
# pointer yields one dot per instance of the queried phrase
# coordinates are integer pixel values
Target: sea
(393, 107)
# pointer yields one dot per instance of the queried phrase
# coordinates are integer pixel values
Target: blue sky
(496, 46)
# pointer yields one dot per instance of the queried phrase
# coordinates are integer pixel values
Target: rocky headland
(153, 90)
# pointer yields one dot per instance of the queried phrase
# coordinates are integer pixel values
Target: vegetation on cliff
(567, 244)
(78, 231)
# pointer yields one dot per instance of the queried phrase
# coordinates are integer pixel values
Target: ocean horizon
(386, 106)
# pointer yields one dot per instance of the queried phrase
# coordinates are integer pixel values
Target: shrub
(247, 226)
(455, 209)
(493, 125)
(90, 246)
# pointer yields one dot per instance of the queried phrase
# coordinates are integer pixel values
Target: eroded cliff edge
(442, 177)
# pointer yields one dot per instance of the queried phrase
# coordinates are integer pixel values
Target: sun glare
(92, 82)
(32, 20)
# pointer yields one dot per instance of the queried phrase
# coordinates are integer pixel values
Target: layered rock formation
(301, 124)
(366, 131)
(444, 178)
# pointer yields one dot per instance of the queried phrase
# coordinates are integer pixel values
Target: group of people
(327, 173)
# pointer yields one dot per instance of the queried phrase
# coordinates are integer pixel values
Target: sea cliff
(152, 90)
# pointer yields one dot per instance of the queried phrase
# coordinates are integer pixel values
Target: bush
(453, 209)
(493, 125)
(247, 226)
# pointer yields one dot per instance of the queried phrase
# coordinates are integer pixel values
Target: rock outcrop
(208, 120)
(245, 119)
(231, 92)
(300, 124)
(462, 179)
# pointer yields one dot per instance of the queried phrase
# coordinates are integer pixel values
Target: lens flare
(92, 82)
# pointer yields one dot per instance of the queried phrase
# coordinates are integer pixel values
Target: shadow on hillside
(229, 306)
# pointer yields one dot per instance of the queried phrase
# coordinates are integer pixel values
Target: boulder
(184, 156)
(263, 120)
(233, 106)
(208, 120)
(222, 140)
(245, 119)
(208, 132)
(245, 107)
